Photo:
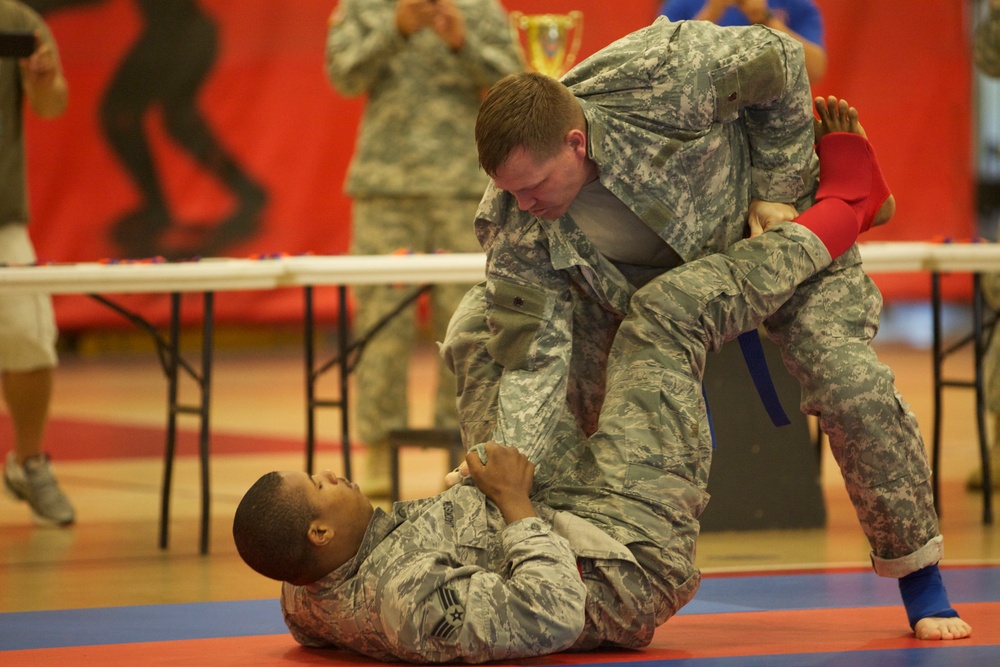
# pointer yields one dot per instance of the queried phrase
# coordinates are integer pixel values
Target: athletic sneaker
(35, 484)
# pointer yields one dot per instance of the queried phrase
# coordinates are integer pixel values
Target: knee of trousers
(621, 604)
(674, 578)
(846, 380)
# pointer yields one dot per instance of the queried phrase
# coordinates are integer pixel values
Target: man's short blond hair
(526, 110)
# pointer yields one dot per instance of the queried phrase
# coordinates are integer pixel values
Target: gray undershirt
(620, 235)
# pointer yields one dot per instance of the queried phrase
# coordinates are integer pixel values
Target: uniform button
(518, 301)
(732, 97)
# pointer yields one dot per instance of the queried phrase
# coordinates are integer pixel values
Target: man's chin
(547, 214)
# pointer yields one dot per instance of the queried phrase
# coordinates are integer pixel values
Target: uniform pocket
(517, 314)
(740, 83)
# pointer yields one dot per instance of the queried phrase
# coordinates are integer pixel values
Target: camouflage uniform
(987, 55)
(687, 121)
(991, 381)
(987, 43)
(414, 176)
(612, 555)
(987, 49)
(991, 360)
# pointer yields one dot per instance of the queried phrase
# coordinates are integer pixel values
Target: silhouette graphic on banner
(165, 67)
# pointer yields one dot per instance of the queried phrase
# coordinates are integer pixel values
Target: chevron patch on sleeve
(453, 616)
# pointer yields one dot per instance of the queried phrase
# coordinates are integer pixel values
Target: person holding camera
(414, 178)
(799, 19)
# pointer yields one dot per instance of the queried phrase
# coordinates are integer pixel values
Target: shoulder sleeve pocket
(739, 83)
(516, 315)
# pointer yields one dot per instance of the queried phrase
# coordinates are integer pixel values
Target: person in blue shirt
(800, 19)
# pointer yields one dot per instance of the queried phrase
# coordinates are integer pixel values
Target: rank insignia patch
(453, 617)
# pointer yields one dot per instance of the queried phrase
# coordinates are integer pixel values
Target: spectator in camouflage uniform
(602, 551)
(414, 178)
(991, 381)
(986, 45)
(656, 151)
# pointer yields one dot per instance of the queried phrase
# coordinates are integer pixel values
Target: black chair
(425, 438)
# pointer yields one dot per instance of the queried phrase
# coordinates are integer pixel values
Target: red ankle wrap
(849, 172)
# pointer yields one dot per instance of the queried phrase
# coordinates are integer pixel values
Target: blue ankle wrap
(924, 595)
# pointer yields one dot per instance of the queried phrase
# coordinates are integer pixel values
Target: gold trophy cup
(547, 37)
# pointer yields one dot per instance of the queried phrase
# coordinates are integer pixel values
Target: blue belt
(753, 355)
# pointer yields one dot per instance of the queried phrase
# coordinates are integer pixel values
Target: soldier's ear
(577, 139)
(320, 533)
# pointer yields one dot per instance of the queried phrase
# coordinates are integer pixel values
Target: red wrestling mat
(686, 637)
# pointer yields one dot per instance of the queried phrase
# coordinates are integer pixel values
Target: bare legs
(28, 394)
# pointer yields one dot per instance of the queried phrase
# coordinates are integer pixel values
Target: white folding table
(209, 276)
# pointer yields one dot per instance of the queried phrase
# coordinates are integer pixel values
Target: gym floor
(106, 437)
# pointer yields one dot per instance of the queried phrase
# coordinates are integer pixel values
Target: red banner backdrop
(281, 138)
(909, 73)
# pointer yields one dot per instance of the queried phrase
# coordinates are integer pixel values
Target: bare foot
(838, 116)
(942, 629)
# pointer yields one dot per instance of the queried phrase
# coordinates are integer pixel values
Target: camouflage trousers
(649, 461)
(991, 362)
(384, 226)
(824, 332)
(642, 476)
